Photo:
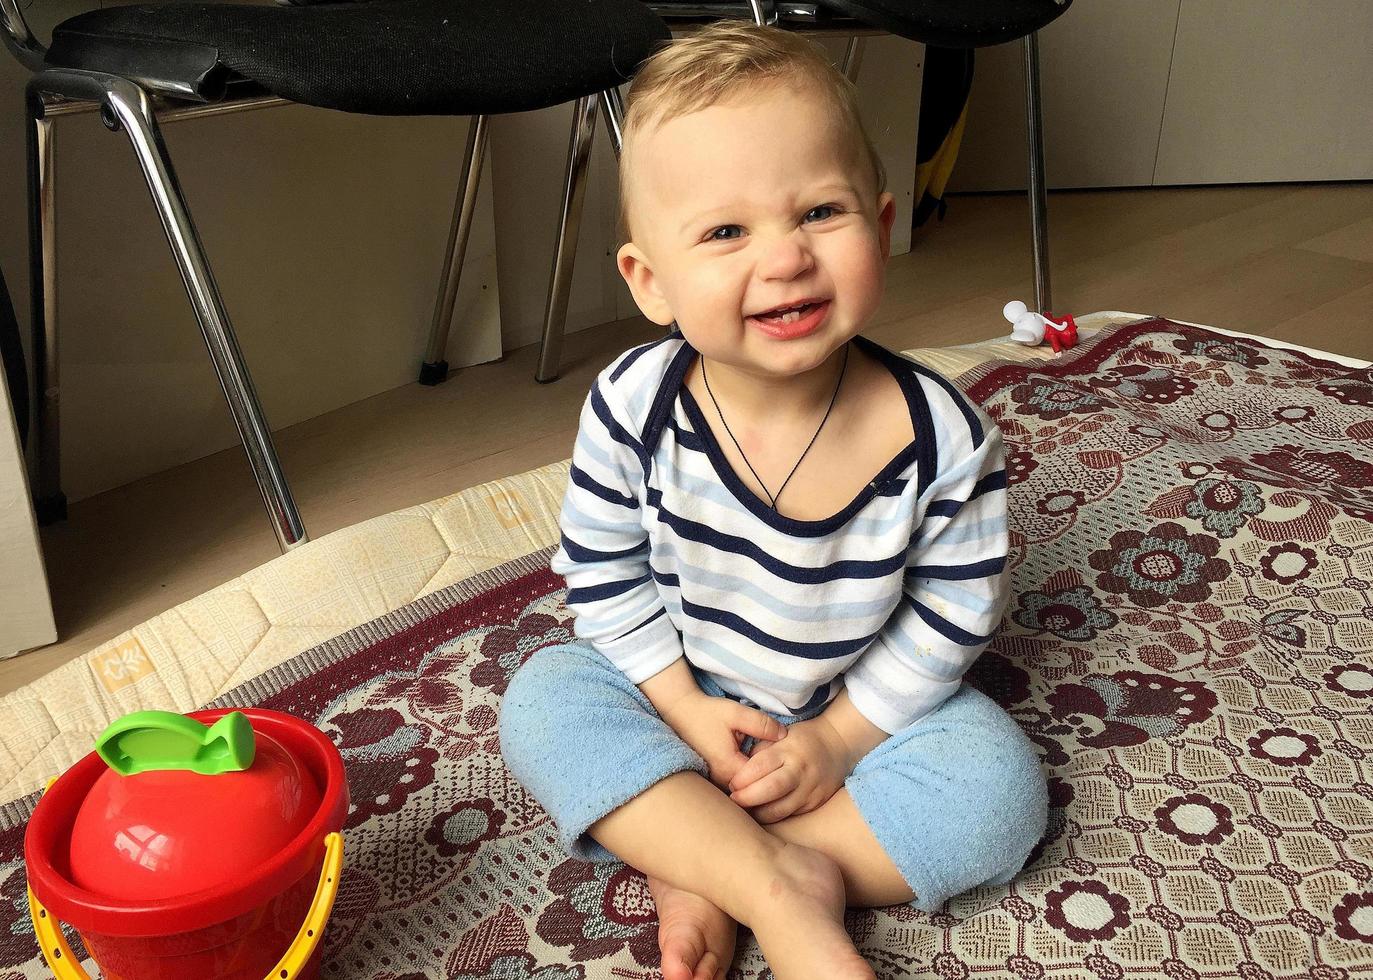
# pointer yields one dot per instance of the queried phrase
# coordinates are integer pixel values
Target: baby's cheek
(862, 258)
(866, 282)
(709, 292)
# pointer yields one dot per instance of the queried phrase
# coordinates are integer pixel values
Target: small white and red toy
(1032, 329)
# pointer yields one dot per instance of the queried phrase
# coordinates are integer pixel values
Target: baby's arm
(859, 735)
(604, 549)
(955, 588)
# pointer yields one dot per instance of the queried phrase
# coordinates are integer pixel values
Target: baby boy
(784, 545)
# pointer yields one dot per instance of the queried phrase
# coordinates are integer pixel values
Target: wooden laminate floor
(1293, 262)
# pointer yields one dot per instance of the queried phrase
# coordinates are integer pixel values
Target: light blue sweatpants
(956, 800)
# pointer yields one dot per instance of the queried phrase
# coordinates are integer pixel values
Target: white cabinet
(1267, 90)
(1168, 92)
(25, 610)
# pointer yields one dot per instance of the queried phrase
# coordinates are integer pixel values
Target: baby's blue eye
(715, 235)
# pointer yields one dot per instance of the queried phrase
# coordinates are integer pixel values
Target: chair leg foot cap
(433, 372)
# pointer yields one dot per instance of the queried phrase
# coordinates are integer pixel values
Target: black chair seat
(400, 57)
(953, 23)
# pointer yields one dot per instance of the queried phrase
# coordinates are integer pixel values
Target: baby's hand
(714, 727)
(795, 775)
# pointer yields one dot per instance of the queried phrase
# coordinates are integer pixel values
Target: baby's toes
(694, 936)
(708, 968)
(682, 951)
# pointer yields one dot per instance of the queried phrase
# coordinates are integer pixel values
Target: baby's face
(747, 206)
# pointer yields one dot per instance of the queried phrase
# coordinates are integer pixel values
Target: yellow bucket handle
(63, 962)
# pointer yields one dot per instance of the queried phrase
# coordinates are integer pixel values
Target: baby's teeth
(791, 317)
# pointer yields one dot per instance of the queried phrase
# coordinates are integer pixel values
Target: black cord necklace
(772, 498)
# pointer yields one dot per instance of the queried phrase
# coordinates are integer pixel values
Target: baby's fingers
(728, 766)
(773, 786)
(756, 767)
(750, 721)
(780, 809)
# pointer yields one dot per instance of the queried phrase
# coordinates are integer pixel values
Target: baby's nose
(786, 257)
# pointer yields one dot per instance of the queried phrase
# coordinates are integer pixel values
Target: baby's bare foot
(696, 938)
(799, 920)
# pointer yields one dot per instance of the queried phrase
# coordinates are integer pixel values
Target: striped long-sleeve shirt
(667, 553)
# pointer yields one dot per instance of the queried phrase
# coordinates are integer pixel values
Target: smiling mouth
(786, 314)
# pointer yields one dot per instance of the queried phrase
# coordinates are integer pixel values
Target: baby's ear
(886, 215)
(642, 282)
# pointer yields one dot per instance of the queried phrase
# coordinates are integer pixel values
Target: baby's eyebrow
(823, 189)
(698, 219)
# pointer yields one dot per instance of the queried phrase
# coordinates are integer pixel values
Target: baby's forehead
(729, 140)
(726, 116)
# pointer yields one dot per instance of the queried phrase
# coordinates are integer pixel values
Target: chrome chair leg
(50, 504)
(129, 108)
(435, 368)
(1039, 224)
(569, 222)
(124, 105)
(614, 108)
(853, 58)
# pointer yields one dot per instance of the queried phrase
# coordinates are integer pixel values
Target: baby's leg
(589, 747)
(685, 831)
(837, 830)
(583, 741)
(957, 801)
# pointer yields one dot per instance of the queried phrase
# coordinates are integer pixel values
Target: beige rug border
(271, 682)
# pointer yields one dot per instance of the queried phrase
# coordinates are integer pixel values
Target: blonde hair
(726, 58)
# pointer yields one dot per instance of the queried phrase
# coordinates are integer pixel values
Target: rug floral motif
(1190, 645)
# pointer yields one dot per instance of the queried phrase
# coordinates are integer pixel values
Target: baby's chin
(789, 358)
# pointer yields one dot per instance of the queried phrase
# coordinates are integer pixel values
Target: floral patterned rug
(1190, 645)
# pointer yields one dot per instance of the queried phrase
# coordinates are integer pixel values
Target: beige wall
(1103, 77)
(326, 230)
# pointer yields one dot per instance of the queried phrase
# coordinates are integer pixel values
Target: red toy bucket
(244, 918)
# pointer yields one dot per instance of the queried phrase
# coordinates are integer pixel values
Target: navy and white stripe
(667, 553)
